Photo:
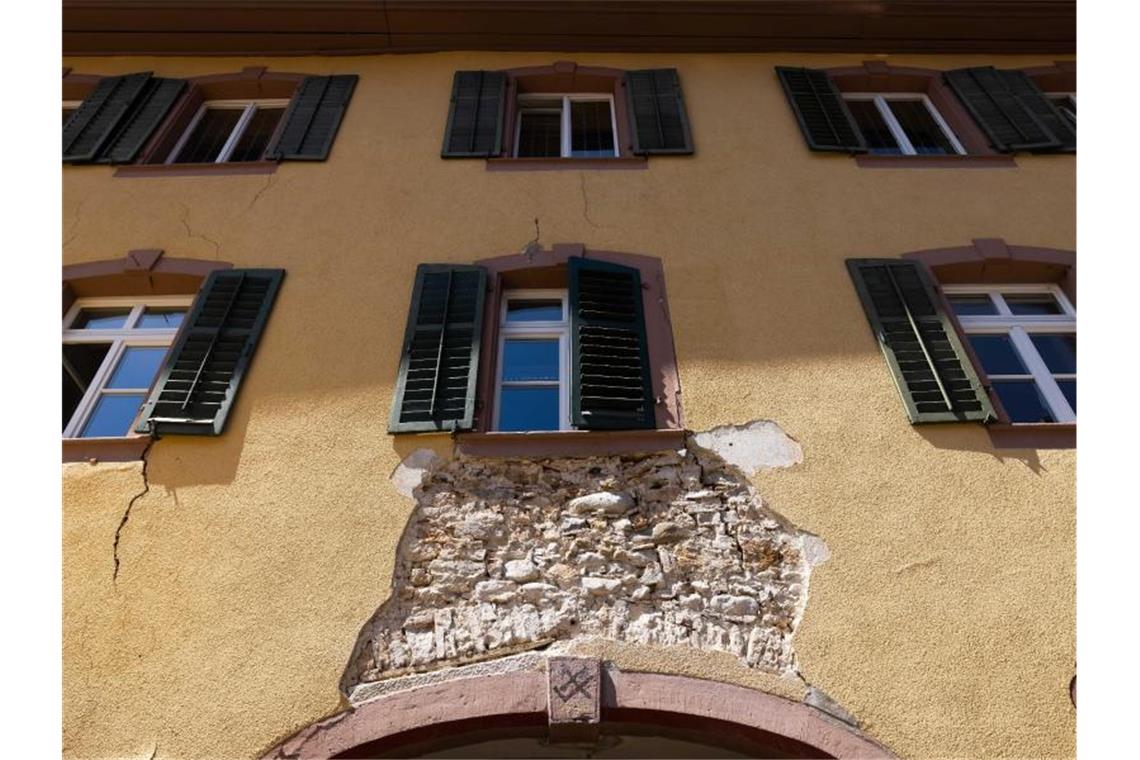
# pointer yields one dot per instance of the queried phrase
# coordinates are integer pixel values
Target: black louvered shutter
(822, 113)
(201, 375)
(657, 109)
(931, 370)
(99, 116)
(610, 384)
(1034, 100)
(156, 100)
(440, 358)
(313, 117)
(475, 116)
(992, 99)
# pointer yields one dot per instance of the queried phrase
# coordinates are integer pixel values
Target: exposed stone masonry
(505, 555)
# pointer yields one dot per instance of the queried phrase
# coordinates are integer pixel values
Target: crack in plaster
(585, 201)
(130, 505)
(191, 234)
(270, 181)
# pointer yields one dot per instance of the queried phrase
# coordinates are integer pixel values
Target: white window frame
(881, 100)
(248, 108)
(559, 329)
(120, 338)
(1019, 328)
(566, 145)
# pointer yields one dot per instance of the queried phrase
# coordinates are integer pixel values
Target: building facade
(545, 388)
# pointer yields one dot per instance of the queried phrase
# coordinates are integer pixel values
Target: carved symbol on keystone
(577, 682)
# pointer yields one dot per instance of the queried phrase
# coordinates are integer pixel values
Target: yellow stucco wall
(944, 619)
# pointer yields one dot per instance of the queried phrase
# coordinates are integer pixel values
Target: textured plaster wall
(944, 620)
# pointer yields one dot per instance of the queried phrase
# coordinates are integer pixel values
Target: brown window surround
(140, 272)
(991, 260)
(547, 269)
(1061, 76)
(879, 76)
(566, 77)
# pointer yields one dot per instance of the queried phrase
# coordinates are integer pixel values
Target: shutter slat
(611, 386)
(1034, 100)
(820, 110)
(436, 385)
(1001, 109)
(155, 103)
(199, 380)
(98, 117)
(475, 115)
(657, 111)
(313, 118)
(931, 370)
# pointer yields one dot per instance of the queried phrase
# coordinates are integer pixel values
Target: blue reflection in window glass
(997, 355)
(1058, 351)
(1022, 401)
(1036, 304)
(1069, 388)
(137, 367)
(529, 408)
(534, 310)
(530, 360)
(965, 306)
(113, 416)
(100, 319)
(153, 319)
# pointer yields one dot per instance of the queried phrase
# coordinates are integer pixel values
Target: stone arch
(517, 701)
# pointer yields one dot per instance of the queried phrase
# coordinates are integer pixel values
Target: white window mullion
(94, 390)
(566, 142)
(893, 125)
(949, 133)
(1056, 400)
(239, 128)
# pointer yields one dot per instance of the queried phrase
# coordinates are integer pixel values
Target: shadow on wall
(183, 461)
(972, 437)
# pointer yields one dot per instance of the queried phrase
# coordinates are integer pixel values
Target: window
(112, 350)
(534, 352)
(229, 130)
(902, 124)
(565, 126)
(1025, 339)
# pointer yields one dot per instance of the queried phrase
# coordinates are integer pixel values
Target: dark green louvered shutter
(155, 102)
(931, 370)
(610, 385)
(98, 117)
(657, 110)
(1005, 109)
(475, 117)
(313, 117)
(200, 378)
(820, 110)
(1033, 99)
(440, 359)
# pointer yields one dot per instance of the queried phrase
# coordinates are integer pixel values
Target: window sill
(1033, 435)
(935, 162)
(568, 443)
(196, 170)
(126, 449)
(560, 164)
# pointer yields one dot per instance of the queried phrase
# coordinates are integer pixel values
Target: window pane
(209, 136)
(100, 319)
(1058, 351)
(530, 360)
(540, 134)
(1023, 401)
(159, 318)
(879, 138)
(997, 355)
(1069, 388)
(528, 409)
(80, 363)
(137, 367)
(921, 128)
(255, 138)
(965, 306)
(591, 130)
(113, 416)
(1032, 303)
(534, 310)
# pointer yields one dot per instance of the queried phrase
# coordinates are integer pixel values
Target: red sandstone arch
(519, 698)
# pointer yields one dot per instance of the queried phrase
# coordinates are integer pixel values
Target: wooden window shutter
(475, 116)
(158, 97)
(820, 110)
(610, 385)
(98, 117)
(313, 118)
(439, 363)
(1001, 106)
(657, 110)
(199, 380)
(932, 371)
(1033, 99)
